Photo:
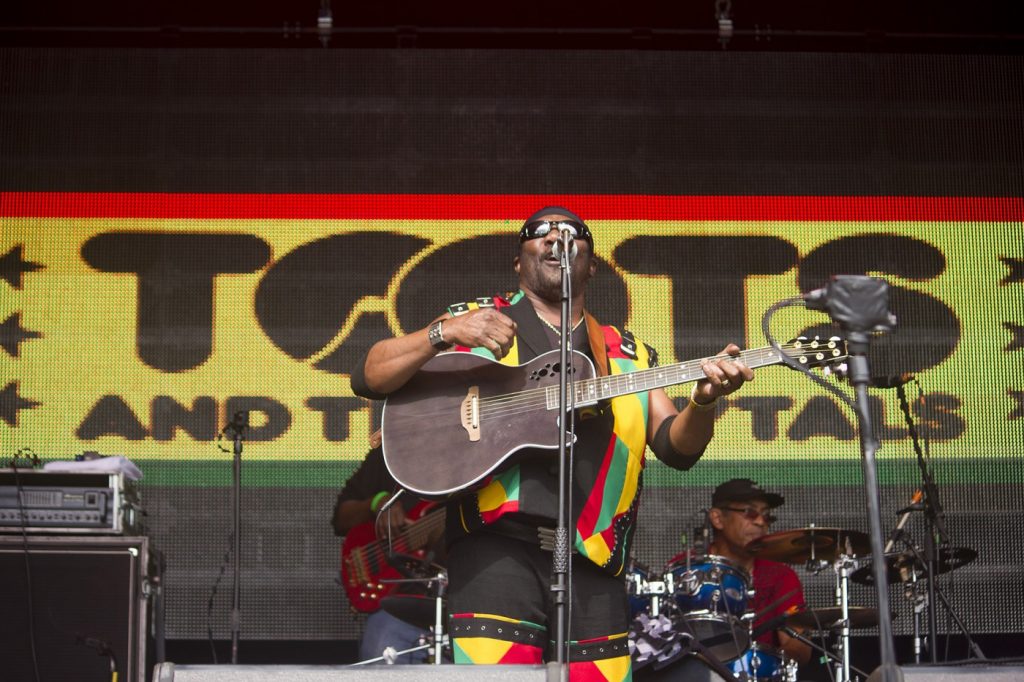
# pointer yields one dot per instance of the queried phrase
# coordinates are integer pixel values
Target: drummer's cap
(744, 490)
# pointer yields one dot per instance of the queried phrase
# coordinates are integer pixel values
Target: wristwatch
(436, 338)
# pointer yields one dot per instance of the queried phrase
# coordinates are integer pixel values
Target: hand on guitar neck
(392, 518)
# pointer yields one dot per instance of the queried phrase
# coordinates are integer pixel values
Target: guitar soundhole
(550, 369)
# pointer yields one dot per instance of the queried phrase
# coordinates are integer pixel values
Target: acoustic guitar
(461, 416)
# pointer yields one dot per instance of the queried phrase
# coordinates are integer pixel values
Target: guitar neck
(590, 391)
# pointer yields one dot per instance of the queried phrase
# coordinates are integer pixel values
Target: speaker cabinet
(84, 600)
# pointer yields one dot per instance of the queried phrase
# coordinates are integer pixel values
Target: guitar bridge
(471, 413)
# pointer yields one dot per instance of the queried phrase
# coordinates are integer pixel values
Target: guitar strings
(377, 553)
(415, 533)
(530, 399)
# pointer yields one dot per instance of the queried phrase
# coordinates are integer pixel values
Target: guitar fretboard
(590, 391)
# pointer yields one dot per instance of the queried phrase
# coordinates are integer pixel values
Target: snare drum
(712, 597)
(765, 664)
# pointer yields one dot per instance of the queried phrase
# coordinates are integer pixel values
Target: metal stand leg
(844, 566)
(442, 583)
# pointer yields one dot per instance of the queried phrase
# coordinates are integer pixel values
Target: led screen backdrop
(223, 236)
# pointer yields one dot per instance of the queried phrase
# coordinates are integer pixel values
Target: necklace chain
(555, 329)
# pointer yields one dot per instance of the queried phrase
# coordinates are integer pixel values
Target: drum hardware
(831, 618)
(638, 586)
(844, 566)
(911, 569)
(762, 662)
(415, 616)
(810, 545)
(820, 649)
(390, 654)
(815, 547)
(907, 566)
(713, 603)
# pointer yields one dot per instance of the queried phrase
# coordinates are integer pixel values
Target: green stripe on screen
(332, 474)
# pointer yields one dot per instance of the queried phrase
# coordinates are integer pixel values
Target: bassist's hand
(397, 517)
(485, 327)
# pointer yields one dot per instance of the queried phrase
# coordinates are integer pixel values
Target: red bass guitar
(364, 557)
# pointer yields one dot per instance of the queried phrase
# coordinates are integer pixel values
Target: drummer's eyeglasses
(541, 228)
(751, 514)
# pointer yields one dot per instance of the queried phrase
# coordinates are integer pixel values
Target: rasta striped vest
(609, 454)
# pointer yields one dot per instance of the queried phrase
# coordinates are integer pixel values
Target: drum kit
(701, 606)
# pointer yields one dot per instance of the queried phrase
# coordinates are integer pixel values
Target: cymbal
(829, 618)
(804, 544)
(902, 566)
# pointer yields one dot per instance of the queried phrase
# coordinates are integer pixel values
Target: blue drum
(765, 664)
(712, 597)
(636, 579)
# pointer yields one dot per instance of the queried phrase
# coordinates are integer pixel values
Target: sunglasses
(751, 514)
(541, 228)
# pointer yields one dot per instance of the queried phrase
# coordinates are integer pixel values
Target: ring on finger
(725, 383)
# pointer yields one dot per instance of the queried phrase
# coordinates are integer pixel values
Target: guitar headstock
(818, 352)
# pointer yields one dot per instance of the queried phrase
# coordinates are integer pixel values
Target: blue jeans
(384, 630)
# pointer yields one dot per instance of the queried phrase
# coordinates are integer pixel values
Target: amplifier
(50, 502)
(77, 603)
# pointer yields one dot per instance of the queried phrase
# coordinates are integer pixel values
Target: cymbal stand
(975, 649)
(920, 602)
(820, 649)
(844, 566)
(935, 534)
(442, 584)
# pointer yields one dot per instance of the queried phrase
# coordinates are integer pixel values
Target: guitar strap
(596, 335)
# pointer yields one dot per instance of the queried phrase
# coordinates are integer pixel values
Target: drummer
(740, 513)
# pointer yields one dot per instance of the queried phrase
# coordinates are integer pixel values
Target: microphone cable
(20, 493)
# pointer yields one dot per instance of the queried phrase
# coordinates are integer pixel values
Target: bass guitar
(366, 561)
(461, 416)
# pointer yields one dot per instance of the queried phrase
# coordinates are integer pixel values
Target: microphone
(892, 380)
(239, 422)
(815, 300)
(566, 239)
(914, 500)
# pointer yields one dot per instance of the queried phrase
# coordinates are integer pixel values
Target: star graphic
(1018, 336)
(11, 403)
(12, 266)
(1018, 412)
(12, 334)
(1016, 266)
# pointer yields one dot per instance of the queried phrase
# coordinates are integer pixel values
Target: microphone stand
(860, 306)
(239, 423)
(936, 534)
(560, 553)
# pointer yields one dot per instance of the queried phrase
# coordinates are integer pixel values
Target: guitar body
(427, 447)
(461, 416)
(364, 562)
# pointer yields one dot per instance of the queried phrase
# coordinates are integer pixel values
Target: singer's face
(539, 270)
